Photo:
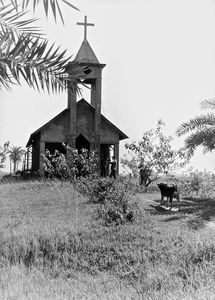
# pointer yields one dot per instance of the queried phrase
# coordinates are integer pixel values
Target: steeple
(93, 77)
(85, 53)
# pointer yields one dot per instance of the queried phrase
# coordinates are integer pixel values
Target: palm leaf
(208, 104)
(12, 22)
(205, 138)
(23, 54)
(49, 5)
(39, 64)
(199, 122)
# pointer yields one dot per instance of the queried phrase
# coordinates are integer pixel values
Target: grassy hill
(53, 247)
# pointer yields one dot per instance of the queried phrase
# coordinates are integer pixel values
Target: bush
(197, 183)
(113, 197)
(71, 166)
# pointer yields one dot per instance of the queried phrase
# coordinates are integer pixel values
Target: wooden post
(27, 157)
(116, 153)
(72, 116)
(93, 94)
(41, 151)
(97, 126)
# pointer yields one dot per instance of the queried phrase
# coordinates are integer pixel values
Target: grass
(41, 207)
(52, 247)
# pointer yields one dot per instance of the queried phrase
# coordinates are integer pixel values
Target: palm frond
(208, 104)
(200, 123)
(49, 5)
(42, 66)
(13, 22)
(205, 138)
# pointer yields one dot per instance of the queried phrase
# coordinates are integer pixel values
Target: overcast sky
(160, 63)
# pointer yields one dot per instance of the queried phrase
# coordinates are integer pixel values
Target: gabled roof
(122, 136)
(85, 54)
(32, 136)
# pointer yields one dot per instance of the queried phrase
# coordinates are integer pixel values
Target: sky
(160, 64)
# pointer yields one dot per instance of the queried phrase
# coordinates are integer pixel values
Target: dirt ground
(196, 213)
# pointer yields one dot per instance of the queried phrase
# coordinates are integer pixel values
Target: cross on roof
(85, 24)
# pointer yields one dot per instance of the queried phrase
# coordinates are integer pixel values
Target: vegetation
(3, 153)
(154, 155)
(196, 183)
(71, 166)
(201, 130)
(113, 196)
(26, 53)
(15, 154)
(52, 245)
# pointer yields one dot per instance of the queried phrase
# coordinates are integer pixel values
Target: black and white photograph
(107, 149)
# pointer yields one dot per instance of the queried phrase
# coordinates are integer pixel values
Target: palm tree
(15, 153)
(201, 129)
(25, 53)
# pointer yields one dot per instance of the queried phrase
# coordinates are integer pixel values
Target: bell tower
(92, 76)
(81, 125)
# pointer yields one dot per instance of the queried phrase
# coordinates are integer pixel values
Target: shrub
(198, 183)
(71, 166)
(113, 197)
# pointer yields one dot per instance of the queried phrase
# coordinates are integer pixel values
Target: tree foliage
(153, 155)
(25, 52)
(3, 153)
(16, 154)
(200, 129)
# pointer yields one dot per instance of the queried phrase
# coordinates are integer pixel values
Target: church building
(81, 124)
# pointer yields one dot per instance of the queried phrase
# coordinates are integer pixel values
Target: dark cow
(169, 191)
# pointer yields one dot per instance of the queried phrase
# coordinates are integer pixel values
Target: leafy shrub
(71, 166)
(197, 183)
(113, 197)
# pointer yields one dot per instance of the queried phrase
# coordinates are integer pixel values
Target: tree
(154, 154)
(15, 154)
(26, 54)
(201, 130)
(3, 152)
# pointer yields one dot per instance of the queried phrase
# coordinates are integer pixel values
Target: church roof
(122, 135)
(85, 54)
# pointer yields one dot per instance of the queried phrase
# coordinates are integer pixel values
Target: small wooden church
(81, 124)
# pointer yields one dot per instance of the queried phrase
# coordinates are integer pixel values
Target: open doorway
(82, 143)
(55, 146)
(106, 153)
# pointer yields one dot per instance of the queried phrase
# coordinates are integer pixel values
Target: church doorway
(106, 153)
(82, 143)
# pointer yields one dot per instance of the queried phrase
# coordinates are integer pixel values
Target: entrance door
(82, 143)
